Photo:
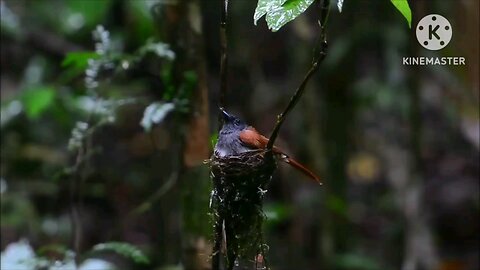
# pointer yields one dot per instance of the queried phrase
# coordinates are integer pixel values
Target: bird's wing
(251, 138)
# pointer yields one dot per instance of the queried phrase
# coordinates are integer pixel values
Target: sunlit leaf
(340, 5)
(37, 100)
(265, 6)
(158, 48)
(20, 256)
(155, 113)
(9, 111)
(90, 264)
(404, 8)
(280, 12)
(124, 249)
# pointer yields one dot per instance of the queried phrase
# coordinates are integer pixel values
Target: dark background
(397, 146)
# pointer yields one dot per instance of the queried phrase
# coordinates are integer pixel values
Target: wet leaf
(280, 12)
(265, 6)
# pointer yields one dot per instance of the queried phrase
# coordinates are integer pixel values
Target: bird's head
(231, 123)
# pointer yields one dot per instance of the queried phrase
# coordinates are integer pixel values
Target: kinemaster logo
(434, 32)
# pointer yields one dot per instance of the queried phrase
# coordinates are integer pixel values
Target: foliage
(124, 249)
(403, 7)
(356, 262)
(21, 256)
(155, 113)
(79, 60)
(37, 100)
(280, 12)
(60, 91)
(340, 5)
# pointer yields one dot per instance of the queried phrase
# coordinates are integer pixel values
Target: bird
(236, 137)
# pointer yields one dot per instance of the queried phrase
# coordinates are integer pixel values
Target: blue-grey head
(229, 142)
(231, 123)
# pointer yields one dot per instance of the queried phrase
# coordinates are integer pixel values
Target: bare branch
(223, 52)
(216, 256)
(319, 56)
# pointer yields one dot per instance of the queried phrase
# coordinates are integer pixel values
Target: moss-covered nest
(239, 185)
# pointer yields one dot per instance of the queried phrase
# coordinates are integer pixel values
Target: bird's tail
(301, 168)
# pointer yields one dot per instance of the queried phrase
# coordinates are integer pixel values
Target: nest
(239, 185)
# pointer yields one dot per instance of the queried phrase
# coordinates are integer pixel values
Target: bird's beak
(226, 116)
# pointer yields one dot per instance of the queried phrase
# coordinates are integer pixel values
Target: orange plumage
(253, 139)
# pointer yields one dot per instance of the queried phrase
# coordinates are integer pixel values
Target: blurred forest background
(108, 108)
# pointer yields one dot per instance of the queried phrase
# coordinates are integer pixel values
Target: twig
(223, 55)
(147, 204)
(319, 56)
(216, 256)
(76, 204)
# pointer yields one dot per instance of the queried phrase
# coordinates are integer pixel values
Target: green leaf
(355, 261)
(214, 139)
(125, 249)
(86, 13)
(404, 8)
(276, 213)
(265, 6)
(36, 100)
(155, 113)
(337, 205)
(141, 24)
(79, 60)
(280, 12)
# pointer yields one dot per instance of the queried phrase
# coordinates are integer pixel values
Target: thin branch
(218, 236)
(319, 56)
(223, 54)
(147, 204)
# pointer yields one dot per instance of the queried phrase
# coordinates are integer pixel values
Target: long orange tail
(302, 168)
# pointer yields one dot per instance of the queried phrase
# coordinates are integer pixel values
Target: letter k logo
(433, 31)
